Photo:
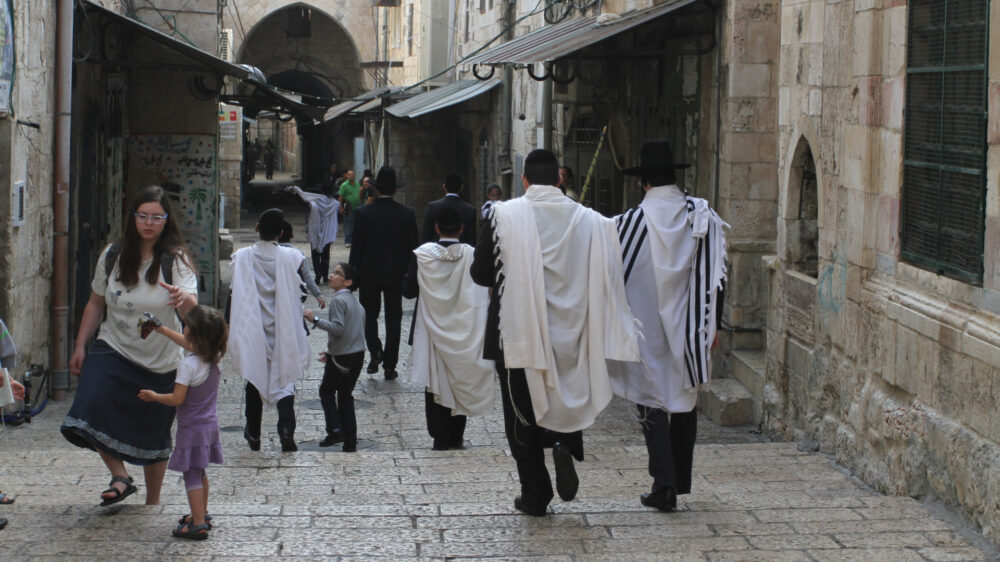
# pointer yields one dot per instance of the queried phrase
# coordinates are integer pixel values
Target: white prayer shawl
(563, 310)
(448, 337)
(267, 339)
(674, 251)
(323, 216)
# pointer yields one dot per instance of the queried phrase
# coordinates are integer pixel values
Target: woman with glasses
(147, 270)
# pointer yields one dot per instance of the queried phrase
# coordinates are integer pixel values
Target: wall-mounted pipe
(60, 200)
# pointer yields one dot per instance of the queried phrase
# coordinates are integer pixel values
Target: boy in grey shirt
(343, 358)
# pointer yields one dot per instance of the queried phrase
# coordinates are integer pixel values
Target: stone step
(748, 367)
(728, 403)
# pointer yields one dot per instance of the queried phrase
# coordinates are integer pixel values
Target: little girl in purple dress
(195, 390)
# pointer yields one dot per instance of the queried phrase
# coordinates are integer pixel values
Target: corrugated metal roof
(351, 104)
(439, 98)
(553, 42)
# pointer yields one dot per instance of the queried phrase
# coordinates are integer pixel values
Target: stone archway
(306, 48)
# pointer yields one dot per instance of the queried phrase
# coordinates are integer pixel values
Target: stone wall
(892, 368)
(26, 140)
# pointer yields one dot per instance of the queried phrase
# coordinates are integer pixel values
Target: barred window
(944, 140)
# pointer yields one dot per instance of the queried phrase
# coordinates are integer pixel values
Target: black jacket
(484, 273)
(465, 210)
(385, 234)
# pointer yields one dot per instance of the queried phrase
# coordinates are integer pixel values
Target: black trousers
(321, 262)
(254, 409)
(371, 301)
(527, 441)
(670, 444)
(446, 430)
(336, 394)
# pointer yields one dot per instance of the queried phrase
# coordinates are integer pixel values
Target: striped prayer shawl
(633, 233)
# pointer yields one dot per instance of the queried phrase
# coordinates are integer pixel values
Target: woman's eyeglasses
(150, 219)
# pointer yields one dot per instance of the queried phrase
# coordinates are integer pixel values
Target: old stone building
(883, 334)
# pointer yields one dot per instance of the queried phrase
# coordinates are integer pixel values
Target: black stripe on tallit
(631, 229)
(623, 223)
(699, 374)
(635, 254)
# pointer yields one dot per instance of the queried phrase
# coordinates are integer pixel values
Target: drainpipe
(547, 113)
(60, 200)
(507, 96)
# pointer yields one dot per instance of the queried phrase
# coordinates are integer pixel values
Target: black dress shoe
(665, 500)
(567, 482)
(253, 442)
(391, 374)
(287, 441)
(332, 439)
(350, 446)
(520, 505)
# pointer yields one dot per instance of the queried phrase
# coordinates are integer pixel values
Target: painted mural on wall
(186, 166)
(6, 54)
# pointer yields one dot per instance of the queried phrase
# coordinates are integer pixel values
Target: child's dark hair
(350, 274)
(207, 333)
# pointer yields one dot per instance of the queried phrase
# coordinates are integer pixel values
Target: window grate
(944, 141)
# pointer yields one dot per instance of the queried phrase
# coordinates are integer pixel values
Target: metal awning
(262, 96)
(354, 103)
(440, 98)
(553, 42)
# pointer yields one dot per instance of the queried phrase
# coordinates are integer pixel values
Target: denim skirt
(107, 415)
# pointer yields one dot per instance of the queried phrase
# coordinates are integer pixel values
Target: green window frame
(943, 208)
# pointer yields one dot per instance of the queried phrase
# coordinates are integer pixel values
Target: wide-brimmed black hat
(655, 156)
(386, 179)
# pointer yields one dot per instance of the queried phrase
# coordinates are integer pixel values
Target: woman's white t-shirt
(125, 306)
(192, 371)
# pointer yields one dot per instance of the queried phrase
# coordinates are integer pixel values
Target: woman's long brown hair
(170, 240)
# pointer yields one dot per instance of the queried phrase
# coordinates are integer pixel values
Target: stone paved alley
(396, 498)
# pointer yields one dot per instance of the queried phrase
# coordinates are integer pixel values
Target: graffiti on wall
(832, 285)
(186, 166)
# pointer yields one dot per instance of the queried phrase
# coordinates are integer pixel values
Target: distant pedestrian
(675, 250)
(267, 336)
(367, 190)
(343, 358)
(250, 160)
(147, 270)
(321, 228)
(385, 235)
(567, 183)
(453, 186)
(195, 395)
(270, 158)
(350, 199)
(493, 194)
(448, 334)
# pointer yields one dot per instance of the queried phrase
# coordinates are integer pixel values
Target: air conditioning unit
(387, 3)
(226, 45)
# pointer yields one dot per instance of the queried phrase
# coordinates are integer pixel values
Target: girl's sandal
(186, 520)
(193, 532)
(5, 499)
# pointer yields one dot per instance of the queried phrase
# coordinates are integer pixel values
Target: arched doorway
(302, 49)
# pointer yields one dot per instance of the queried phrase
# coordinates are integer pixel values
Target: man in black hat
(674, 251)
(385, 234)
(453, 187)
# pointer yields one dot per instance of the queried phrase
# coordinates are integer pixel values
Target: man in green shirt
(350, 192)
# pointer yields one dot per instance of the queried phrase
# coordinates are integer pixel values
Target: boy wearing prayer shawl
(267, 337)
(674, 253)
(321, 228)
(448, 333)
(557, 312)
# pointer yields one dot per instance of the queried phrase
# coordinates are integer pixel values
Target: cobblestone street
(396, 498)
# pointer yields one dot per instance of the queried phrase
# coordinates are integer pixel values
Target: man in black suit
(451, 200)
(385, 234)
